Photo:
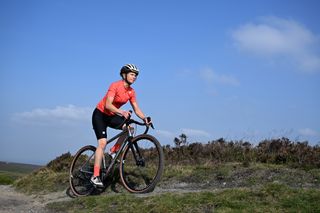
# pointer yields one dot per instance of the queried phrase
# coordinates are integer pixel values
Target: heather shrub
(274, 151)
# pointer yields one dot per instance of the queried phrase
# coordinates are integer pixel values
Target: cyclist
(108, 114)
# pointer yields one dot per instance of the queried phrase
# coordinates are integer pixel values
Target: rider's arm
(138, 111)
(112, 108)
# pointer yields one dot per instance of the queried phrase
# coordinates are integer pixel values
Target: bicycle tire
(81, 170)
(142, 175)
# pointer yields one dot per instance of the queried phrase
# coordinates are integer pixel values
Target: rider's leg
(98, 156)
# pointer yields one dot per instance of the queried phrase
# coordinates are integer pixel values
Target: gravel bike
(140, 161)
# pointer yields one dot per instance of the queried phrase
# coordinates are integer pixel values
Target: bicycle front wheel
(81, 171)
(141, 164)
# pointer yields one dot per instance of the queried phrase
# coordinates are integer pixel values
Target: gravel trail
(13, 201)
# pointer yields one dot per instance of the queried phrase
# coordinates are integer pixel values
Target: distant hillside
(18, 167)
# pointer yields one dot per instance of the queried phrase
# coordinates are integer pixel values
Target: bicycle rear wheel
(81, 171)
(141, 164)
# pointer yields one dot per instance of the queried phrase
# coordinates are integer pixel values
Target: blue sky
(241, 70)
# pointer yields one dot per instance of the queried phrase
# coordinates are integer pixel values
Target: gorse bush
(284, 151)
(275, 151)
(61, 163)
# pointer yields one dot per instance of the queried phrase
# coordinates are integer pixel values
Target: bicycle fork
(136, 154)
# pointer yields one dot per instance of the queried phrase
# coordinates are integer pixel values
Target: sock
(96, 171)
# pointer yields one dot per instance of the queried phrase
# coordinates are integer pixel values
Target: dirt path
(13, 201)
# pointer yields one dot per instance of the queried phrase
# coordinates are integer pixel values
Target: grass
(269, 198)
(200, 173)
(237, 175)
(227, 187)
(257, 188)
(42, 181)
(316, 174)
(7, 178)
(227, 175)
(9, 172)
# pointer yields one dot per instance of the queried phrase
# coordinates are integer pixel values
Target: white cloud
(165, 134)
(210, 76)
(308, 132)
(280, 38)
(195, 133)
(59, 114)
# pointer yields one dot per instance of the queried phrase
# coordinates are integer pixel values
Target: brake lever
(151, 124)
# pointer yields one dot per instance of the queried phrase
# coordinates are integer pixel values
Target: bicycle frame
(128, 139)
(131, 160)
(129, 136)
(135, 149)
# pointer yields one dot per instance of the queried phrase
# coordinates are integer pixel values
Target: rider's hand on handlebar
(147, 121)
(125, 114)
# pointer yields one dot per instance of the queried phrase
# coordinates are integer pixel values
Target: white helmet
(129, 68)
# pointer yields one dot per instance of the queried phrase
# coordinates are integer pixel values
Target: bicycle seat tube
(117, 154)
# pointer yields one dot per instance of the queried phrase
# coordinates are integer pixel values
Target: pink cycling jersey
(120, 94)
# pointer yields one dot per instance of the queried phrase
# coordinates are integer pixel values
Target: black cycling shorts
(101, 121)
